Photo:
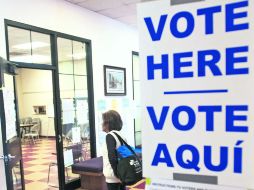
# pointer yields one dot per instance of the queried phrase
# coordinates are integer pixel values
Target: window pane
(16, 174)
(19, 45)
(66, 86)
(135, 67)
(138, 138)
(79, 58)
(65, 61)
(68, 114)
(76, 133)
(138, 122)
(29, 47)
(82, 111)
(136, 97)
(81, 93)
(65, 67)
(75, 115)
(80, 82)
(41, 52)
(137, 92)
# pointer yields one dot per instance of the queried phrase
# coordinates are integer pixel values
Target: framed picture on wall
(114, 81)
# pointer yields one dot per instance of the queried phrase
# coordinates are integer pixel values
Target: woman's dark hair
(113, 119)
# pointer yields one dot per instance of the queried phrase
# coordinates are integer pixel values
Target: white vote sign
(197, 73)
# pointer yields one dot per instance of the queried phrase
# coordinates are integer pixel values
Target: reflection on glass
(81, 93)
(82, 111)
(135, 59)
(65, 61)
(16, 176)
(19, 44)
(136, 98)
(29, 47)
(137, 123)
(41, 52)
(65, 67)
(73, 92)
(79, 58)
(138, 128)
(138, 138)
(79, 67)
(80, 82)
(76, 132)
(66, 86)
(137, 92)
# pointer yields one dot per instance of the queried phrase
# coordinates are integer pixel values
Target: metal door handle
(7, 158)
(10, 157)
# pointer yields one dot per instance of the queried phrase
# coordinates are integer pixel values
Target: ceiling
(121, 10)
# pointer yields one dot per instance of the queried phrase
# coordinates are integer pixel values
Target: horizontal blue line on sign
(196, 92)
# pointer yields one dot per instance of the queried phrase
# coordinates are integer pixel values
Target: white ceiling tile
(130, 1)
(118, 12)
(98, 5)
(131, 19)
(148, 0)
(121, 10)
(76, 1)
(133, 7)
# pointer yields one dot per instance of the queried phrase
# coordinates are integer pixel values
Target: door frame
(56, 90)
(4, 65)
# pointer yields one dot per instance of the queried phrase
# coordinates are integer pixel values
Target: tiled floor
(36, 160)
(138, 186)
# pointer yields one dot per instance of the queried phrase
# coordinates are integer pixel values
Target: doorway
(68, 60)
(37, 128)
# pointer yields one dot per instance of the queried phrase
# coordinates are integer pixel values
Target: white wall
(112, 44)
(35, 89)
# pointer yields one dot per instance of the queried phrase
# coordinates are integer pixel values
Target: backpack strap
(128, 146)
(113, 134)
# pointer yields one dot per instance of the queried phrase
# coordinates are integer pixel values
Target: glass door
(75, 122)
(72, 112)
(136, 98)
(10, 132)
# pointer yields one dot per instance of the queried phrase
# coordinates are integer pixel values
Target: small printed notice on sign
(178, 185)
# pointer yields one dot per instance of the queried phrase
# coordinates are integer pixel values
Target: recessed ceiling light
(33, 45)
(78, 55)
(31, 58)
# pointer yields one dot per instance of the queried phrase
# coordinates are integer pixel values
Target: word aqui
(163, 155)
